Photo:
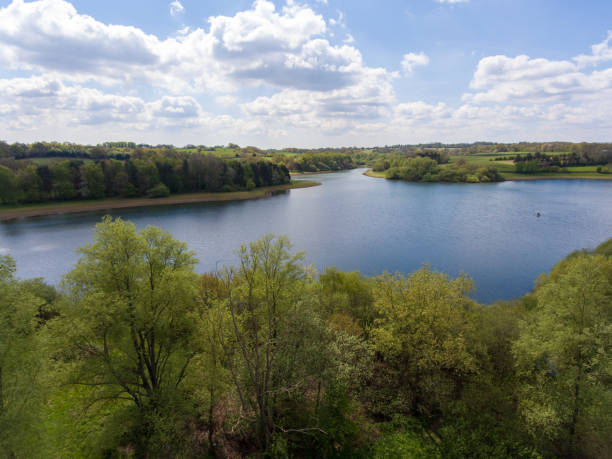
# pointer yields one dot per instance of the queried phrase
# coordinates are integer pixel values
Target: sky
(315, 73)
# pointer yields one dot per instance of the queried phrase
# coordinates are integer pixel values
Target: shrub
(159, 191)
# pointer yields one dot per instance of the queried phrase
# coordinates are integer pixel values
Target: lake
(489, 231)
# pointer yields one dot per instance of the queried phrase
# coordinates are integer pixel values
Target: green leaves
(564, 353)
(127, 328)
(423, 335)
(20, 363)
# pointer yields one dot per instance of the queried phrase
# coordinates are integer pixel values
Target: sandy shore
(15, 212)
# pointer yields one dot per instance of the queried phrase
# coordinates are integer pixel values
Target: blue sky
(306, 74)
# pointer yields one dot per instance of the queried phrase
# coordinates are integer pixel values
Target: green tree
(20, 363)
(63, 187)
(347, 294)
(564, 357)
(31, 185)
(423, 339)
(8, 186)
(127, 326)
(93, 181)
(276, 349)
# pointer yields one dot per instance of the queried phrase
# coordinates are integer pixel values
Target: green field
(508, 170)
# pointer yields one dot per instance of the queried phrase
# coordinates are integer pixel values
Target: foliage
(20, 365)
(155, 174)
(138, 356)
(126, 328)
(563, 358)
(404, 437)
(159, 191)
(316, 162)
(423, 169)
(423, 341)
(269, 334)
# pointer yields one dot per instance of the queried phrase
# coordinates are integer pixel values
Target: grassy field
(51, 208)
(507, 169)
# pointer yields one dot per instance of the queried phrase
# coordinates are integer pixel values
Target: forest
(135, 354)
(150, 174)
(317, 162)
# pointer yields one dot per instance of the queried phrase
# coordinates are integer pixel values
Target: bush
(159, 191)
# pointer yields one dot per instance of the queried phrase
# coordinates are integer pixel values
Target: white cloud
(452, 1)
(37, 35)
(261, 45)
(339, 21)
(522, 79)
(176, 8)
(412, 60)
(600, 52)
(226, 100)
(349, 39)
(316, 90)
(371, 98)
(421, 111)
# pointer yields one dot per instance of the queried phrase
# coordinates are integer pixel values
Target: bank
(511, 177)
(54, 208)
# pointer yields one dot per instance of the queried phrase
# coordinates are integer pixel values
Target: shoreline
(300, 174)
(69, 207)
(371, 173)
(552, 177)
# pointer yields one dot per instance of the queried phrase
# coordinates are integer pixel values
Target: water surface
(489, 231)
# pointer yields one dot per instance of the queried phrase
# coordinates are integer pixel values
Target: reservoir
(489, 231)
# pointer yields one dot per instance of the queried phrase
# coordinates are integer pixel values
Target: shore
(302, 174)
(516, 177)
(519, 177)
(371, 173)
(53, 208)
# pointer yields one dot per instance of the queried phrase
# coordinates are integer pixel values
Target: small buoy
(537, 214)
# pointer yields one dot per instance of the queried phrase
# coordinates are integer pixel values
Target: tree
(31, 185)
(564, 357)
(127, 326)
(8, 186)
(20, 394)
(63, 187)
(94, 181)
(273, 343)
(423, 339)
(348, 294)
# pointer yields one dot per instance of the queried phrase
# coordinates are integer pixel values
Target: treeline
(65, 150)
(540, 162)
(493, 148)
(138, 356)
(425, 169)
(316, 162)
(152, 175)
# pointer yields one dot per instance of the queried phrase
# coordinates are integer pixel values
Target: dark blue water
(491, 232)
